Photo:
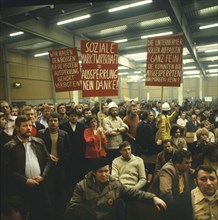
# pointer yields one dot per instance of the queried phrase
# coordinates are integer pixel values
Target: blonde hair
(201, 131)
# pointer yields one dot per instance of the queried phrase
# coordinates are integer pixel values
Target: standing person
(147, 148)
(62, 111)
(128, 168)
(164, 122)
(75, 131)
(58, 145)
(5, 108)
(30, 113)
(27, 164)
(96, 141)
(177, 139)
(114, 128)
(4, 137)
(202, 201)
(45, 112)
(85, 117)
(98, 195)
(132, 120)
(173, 179)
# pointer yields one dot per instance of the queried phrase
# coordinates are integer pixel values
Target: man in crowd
(202, 201)
(132, 120)
(5, 108)
(173, 179)
(58, 145)
(128, 168)
(30, 113)
(27, 164)
(75, 131)
(98, 195)
(114, 128)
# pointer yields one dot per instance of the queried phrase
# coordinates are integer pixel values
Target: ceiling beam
(38, 28)
(174, 10)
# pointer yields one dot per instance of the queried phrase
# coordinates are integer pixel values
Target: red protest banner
(65, 69)
(164, 61)
(99, 68)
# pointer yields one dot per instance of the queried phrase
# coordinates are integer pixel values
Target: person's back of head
(15, 208)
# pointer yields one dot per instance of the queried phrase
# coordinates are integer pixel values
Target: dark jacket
(14, 160)
(63, 145)
(76, 139)
(93, 201)
(145, 139)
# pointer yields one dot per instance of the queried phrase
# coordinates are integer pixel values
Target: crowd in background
(68, 138)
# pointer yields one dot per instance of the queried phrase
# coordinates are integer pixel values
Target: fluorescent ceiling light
(212, 71)
(40, 54)
(139, 59)
(122, 68)
(210, 51)
(123, 7)
(189, 67)
(210, 75)
(191, 72)
(74, 19)
(186, 77)
(213, 65)
(208, 26)
(188, 61)
(120, 41)
(156, 35)
(137, 72)
(122, 74)
(136, 55)
(16, 33)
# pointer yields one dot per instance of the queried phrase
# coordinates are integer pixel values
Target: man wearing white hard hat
(164, 122)
(114, 129)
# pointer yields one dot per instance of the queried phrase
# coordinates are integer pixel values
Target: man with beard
(114, 128)
(27, 164)
(202, 201)
(132, 120)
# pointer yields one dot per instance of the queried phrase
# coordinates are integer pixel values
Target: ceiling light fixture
(189, 67)
(120, 41)
(74, 19)
(122, 74)
(130, 6)
(210, 51)
(156, 35)
(208, 26)
(16, 33)
(212, 71)
(40, 54)
(212, 65)
(194, 72)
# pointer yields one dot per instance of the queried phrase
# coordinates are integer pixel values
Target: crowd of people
(71, 161)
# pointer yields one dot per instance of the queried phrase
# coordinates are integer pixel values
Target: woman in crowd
(95, 142)
(177, 139)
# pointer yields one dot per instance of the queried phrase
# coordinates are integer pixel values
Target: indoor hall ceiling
(38, 22)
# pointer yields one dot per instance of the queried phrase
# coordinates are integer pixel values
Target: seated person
(208, 156)
(202, 201)
(164, 156)
(97, 196)
(128, 168)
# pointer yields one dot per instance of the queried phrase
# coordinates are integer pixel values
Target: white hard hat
(165, 106)
(112, 105)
